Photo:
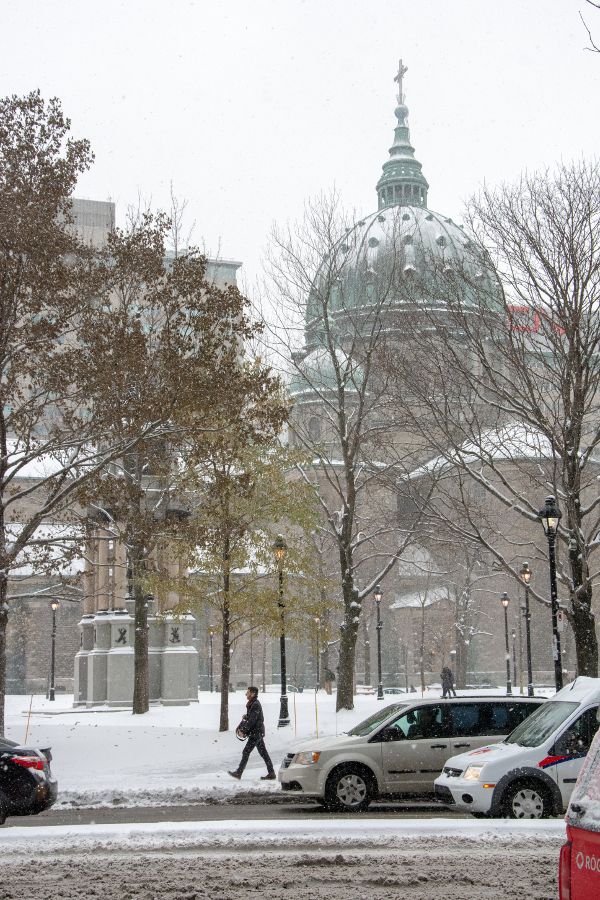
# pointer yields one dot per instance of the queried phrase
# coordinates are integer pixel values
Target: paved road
(224, 811)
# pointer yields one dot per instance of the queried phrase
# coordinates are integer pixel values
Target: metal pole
(514, 652)
(520, 625)
(52, 656)
(556, 652)
(210, 661)
(528, 643)
(284, 716)
(379, 627)
(318, 659)
(508, 684)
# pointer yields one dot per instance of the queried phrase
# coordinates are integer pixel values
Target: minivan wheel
(348, 789)
(526, 800)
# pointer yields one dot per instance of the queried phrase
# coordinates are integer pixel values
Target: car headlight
(307, 758)
(472, 773)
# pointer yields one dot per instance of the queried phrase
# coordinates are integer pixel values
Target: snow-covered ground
(172, 754)
(313, 860)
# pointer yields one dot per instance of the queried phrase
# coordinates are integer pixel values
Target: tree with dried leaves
(240, 494)
(55, 379)
(177, 342)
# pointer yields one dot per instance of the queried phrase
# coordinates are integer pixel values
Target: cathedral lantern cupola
(402, 182)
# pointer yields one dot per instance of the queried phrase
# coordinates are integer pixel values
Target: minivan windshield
(540, 725)
(369, 725)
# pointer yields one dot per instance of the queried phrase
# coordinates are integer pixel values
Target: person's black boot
(270, 776)
(237, 775)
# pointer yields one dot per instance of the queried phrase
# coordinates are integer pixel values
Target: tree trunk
(461, 660)
(264, 663)
(349, 633)
(3, 628)
(422, 651)
(226, 642)
(225, 670)
(141, 690)
(586, 642)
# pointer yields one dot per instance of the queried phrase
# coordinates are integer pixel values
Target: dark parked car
(27, 785)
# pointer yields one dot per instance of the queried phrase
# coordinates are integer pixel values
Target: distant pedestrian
(447, 682)
(329, 679)
(253, 725)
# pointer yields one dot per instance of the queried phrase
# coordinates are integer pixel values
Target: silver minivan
(399, 750)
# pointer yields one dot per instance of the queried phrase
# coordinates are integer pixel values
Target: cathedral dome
(402, 253)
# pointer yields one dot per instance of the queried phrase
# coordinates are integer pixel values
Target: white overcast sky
(252, 107)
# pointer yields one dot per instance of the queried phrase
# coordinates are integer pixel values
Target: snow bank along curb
(270, 834)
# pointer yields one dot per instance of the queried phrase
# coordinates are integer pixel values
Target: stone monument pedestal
(104, 663)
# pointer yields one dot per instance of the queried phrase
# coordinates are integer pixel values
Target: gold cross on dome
(402, 70)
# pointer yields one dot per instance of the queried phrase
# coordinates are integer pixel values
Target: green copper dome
(400, 257)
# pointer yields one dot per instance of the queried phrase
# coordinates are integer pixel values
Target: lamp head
(505, 600)
(377, 594)
(550, 515)
(525, 573)
(280, 548)
(54, 604)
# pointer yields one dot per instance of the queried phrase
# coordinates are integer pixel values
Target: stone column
(102, 571)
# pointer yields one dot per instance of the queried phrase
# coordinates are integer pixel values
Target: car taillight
(564, 872)
(29, 762)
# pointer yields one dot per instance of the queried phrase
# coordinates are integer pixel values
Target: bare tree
(499, 380)
(332, 302)
(593, 45)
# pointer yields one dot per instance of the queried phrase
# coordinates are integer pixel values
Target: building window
(314, 428)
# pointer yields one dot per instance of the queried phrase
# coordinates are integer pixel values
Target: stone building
(372, 272)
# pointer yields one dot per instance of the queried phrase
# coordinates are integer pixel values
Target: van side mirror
(390, 734)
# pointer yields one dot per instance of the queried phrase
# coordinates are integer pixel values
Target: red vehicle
(579, 872)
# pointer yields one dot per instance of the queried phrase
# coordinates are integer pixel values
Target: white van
(398, 750)
(530, 774)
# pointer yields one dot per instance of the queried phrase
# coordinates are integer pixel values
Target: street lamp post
(525, 574)
(280, 549)
(505, 600)
(210, 659)
(318, 666)
(378, 594)
(550, 516)
(513, 634)
(54, 604)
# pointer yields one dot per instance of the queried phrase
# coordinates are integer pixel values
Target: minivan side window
(423, 722)
(464, 719)
(487, 718)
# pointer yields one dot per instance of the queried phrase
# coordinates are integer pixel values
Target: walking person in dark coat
(253, 724)
(447, 682)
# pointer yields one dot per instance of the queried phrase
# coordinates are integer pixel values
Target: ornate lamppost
(525, 573)
(280, 549)
(550, 516)
(211, 683)
(505, 600)
(54, 604)
(377, 596)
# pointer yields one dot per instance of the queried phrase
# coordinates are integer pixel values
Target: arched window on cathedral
(314, 428)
